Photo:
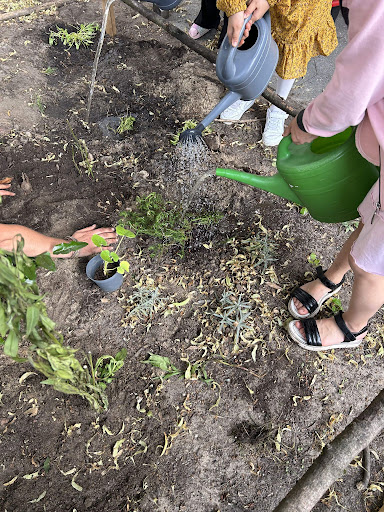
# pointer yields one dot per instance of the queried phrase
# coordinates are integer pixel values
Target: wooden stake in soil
(268, 94)
(336, 456)
(30, 10)
(111, 21)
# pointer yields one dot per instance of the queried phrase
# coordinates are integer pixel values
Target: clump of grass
(126, 124)
(187, 125)
(83, 35)
(166, 221)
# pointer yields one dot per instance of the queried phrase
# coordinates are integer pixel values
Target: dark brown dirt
(237, 444)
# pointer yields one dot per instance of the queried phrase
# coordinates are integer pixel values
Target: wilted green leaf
(159, 362)
(44, 260)
(47, 465)
(67, 247)
(33, 315)
(11, 344)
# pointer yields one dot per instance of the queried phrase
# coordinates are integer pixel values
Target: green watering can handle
(285, 144)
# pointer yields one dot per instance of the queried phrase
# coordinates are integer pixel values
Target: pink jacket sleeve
(358, 80)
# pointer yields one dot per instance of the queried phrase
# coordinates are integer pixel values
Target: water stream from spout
(97, 56)
(195, 188)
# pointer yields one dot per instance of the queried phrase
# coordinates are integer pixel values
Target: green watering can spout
(274, 184)
(328, 176)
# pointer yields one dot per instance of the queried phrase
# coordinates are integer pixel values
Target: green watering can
(328, 176)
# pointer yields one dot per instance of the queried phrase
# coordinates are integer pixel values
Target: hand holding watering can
(255, 10)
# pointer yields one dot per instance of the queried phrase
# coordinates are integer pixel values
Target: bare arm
(35, 243)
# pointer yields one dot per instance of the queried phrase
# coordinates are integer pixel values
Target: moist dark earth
(238, 442)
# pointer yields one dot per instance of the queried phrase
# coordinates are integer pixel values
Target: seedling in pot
(112, 257)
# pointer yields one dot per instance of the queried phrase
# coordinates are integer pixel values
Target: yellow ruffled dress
(302, 29)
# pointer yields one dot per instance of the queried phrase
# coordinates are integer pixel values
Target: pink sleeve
(358, 80)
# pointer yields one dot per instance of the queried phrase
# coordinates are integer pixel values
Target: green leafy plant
(350, 225)
(23, 317)
(187, 125)
(335, 305)
(165, 221)
(194, 371)
(82, 35)
(111, 257)
(106, 367)
(313, 259)
(126, 124)
(49, 71)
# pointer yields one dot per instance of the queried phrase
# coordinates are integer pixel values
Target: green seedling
(83, 35)
(194, 371)
(38, 103)
(350, 225)
(49, 71)
(187, 125)
(112, 257)
(23, 316)
(146, 301)
(126, 124)
(165, 221)
(106, 367)
(335, 305)
(313, 259)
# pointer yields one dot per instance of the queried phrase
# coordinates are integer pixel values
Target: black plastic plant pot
(108, 285)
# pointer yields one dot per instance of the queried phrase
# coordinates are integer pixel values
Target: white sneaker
(236, 110)
(274, 127)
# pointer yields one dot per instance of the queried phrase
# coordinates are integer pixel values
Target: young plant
(165, 221)
(23, 317)
(111, 257)
(126, 124)
(83, 35)
(187, 125)
(87, 162)
(233, 314)
(106, 367)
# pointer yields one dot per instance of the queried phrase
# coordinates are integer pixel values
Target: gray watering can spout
(226, 102)
(274, 184)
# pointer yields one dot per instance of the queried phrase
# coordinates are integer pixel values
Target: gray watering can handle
(229, 69)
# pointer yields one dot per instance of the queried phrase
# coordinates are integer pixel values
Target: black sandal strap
(309, 302)
(349, 336)
(312, 334)
(326, 282)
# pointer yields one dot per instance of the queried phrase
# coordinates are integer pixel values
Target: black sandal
(310, 303)
(312, 340)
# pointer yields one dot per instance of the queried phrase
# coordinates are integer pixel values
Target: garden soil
(236, 438)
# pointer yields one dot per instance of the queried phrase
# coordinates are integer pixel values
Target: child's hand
(86, 234)
(298, 136)
(235, 24)
(257, 8)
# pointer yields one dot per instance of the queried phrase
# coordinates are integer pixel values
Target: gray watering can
(166, 5)
(245, 71)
